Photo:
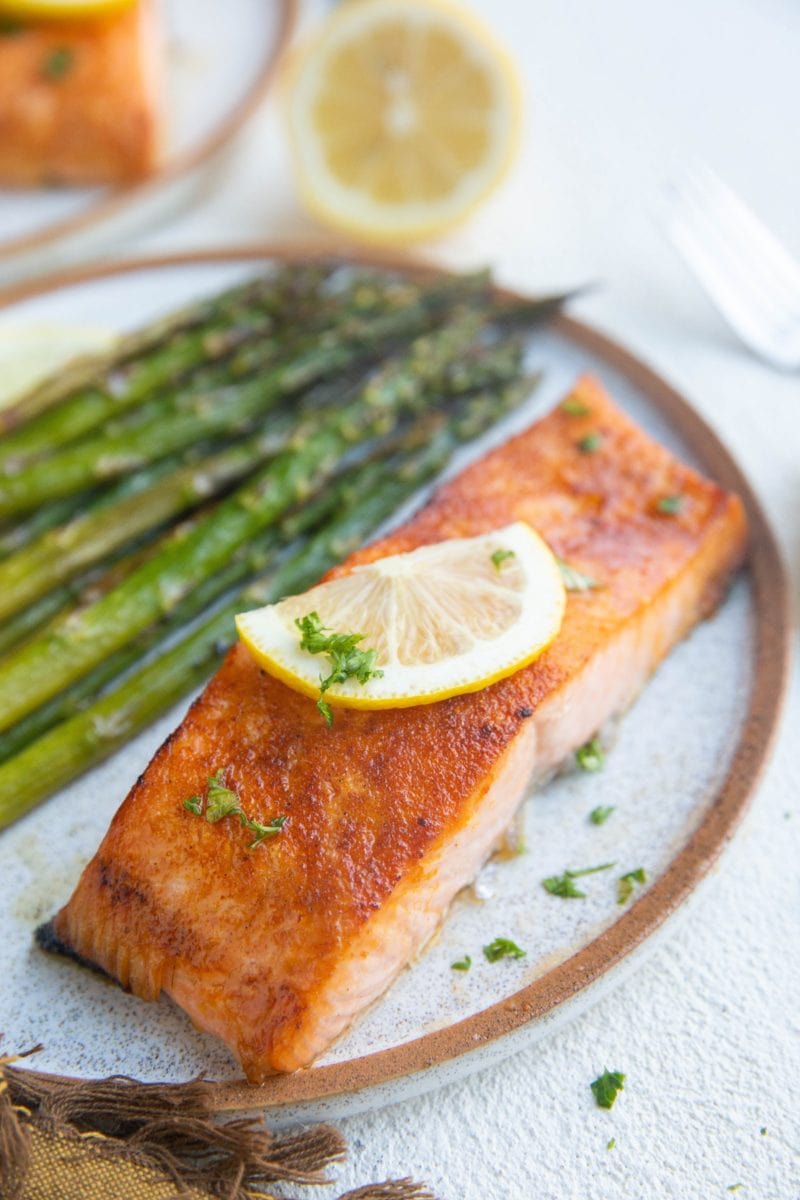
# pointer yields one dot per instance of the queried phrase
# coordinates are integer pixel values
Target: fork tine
(725, 289)
(737, 258)
(743, 220)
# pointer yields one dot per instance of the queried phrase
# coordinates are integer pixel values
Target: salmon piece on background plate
(392, 812)
(81, 100)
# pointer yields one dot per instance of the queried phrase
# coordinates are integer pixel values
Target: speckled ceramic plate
(217, 73)
(684, 762)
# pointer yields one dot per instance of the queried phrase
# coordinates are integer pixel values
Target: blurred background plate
(218, 70)
(683, 766)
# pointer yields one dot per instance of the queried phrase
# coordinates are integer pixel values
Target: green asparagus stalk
(19, 534)
(61, 553)
(86, 394)
(32, 619)
(46, 665)
(246, 562)
(163, 354)
(64, 552)
(230, 409)
(364, 501)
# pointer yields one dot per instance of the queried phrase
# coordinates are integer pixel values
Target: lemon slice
(62, 8)
(444, 619)
(30, 352)
(403, 115)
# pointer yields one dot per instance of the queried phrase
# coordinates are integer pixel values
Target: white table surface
(620, 96)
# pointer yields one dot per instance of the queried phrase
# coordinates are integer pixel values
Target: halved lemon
(66, 9)
(31, 351)
(403, 115)
(448, 618)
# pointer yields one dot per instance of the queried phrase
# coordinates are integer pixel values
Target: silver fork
(752, 279)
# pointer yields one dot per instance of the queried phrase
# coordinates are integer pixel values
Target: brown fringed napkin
(118, 1139)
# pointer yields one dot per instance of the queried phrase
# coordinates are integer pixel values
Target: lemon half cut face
(403, 115)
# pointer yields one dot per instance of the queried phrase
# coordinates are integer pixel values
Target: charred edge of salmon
(48, 940)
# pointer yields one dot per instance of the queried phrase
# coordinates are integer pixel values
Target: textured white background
(621, 95)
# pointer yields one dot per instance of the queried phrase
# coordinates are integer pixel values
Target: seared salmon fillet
(80, 101)
(390, 813)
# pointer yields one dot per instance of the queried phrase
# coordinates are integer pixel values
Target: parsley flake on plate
(599, 815)
(564, 886)
(627, 882)
(591, 756)
(462, 964)
(606, 1087)
(347, 661)
(502, 948)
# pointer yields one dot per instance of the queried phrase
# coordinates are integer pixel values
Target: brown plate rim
(114, 200)
(688, 867)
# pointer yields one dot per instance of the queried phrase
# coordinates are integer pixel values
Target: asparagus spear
(62, 553)
(20, 534)
(84, 395)
(163, 353)
(248, 561)
(229, 410)
(42, 667)
(365, 501)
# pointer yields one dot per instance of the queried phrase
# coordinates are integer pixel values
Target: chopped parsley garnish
(222, 801)
(590, 443)
(734, 1187)
(347, 661)
(564, 885)
(606, 1086)
(670, 506)
(502, 948)
(574, 407)
(575, 580)
(611, 1143)
(590, 757)
(462, 964)
(626, 883)
(58, 63)
(263, 831)
(599, 815)
(500, 556)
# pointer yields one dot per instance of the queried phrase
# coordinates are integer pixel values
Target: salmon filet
(81, 100)
(390, 813)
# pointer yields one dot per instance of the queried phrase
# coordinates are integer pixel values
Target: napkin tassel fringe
(170, 1129)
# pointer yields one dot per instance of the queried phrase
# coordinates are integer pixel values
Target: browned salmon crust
(80, 101)
(391, 812)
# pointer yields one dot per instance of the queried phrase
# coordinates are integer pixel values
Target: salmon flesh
(81, 101)
(390, 813)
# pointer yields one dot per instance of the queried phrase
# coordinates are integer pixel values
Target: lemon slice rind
(529, 579)
(63, 9)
